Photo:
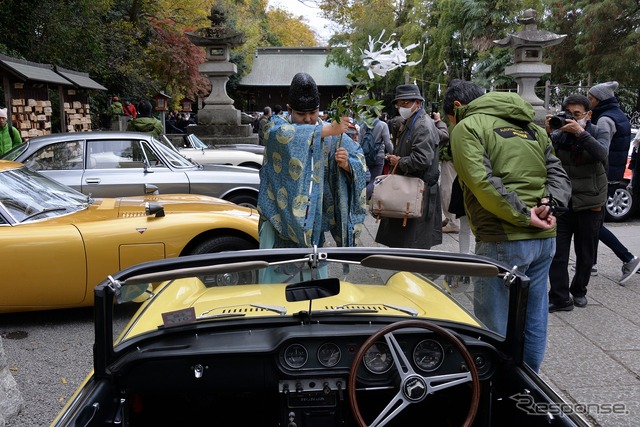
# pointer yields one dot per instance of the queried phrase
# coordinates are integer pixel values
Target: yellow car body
(56, 262)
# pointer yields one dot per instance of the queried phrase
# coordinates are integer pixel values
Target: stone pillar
(219, 122)
(528, 67)
(11, 402)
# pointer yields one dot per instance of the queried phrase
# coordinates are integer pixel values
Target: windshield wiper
(43, 211)
(344, 309)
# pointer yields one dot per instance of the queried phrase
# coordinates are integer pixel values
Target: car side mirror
(156, 209)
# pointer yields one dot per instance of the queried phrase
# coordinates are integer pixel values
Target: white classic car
(197, 151)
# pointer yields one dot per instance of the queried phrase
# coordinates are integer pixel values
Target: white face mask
(582, 122)
(405, 112)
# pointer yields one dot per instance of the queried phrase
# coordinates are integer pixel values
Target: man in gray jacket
(415, 155)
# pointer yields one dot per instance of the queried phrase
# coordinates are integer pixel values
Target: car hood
(172, 203)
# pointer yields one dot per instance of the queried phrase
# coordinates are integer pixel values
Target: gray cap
(303, 93)
(408, 92)
(603, 90)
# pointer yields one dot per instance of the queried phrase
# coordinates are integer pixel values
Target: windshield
(197, 142)
(26, 195)
(172, 157)
(377, 284)
(15, 152)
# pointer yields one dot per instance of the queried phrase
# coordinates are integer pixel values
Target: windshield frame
(105, 295)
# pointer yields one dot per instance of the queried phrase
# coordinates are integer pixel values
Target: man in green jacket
(9, 136)
(511, 179)
(145, 122)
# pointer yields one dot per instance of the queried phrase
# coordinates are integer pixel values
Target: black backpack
(369, 146)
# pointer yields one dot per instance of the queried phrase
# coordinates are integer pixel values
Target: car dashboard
(295, 375)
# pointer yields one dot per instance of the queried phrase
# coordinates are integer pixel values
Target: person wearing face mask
(416, 154)
(583, 150)
(510, 180)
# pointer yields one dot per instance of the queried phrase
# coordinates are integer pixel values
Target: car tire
(621, 205)
(222, 244)
(244, 199)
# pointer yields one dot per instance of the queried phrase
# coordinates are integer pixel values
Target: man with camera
(582, 148)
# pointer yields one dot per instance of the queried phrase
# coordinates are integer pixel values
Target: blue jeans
(491, 297)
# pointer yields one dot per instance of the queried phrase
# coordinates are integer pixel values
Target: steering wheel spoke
(445, 381)
(397, 404)
(401, 362)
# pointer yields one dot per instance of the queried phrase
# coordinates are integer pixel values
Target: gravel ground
(49, 354)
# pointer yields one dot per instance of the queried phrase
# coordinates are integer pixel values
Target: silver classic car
(117, 164)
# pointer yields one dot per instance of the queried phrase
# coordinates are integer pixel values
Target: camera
(559, 120)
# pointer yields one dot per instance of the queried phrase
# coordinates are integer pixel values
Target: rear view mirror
(313, 289)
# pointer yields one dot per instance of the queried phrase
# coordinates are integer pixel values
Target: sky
(312, 15)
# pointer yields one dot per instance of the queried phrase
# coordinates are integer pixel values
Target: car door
(125, 167)
(44, 266)
(62, 161)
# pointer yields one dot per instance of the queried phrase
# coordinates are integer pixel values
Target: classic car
(625, 201)
(116, 164)
(311, 337)
(195, 149)
(56, 244)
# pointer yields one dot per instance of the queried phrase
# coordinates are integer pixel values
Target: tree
(289, 30)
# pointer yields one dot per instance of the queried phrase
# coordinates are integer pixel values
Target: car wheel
(247, 200)
(620, 206)
(222, 244)
(226, 243)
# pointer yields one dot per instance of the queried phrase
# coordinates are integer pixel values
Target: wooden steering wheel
(414, 387)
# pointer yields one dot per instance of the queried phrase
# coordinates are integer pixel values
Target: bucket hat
(407, 92)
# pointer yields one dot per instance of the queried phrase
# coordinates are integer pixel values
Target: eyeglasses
(577, 114)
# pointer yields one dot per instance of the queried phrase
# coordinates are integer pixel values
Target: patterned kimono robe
(304, 193)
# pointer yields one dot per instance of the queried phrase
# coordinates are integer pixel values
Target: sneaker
(450, 229)
(594, 269)
(629, 269)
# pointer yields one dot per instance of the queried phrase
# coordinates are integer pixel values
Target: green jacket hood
(505, 105)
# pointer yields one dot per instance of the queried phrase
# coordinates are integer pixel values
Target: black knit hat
(303, 93)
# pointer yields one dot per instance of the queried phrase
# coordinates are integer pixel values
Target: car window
(66, 155)
(115, 154)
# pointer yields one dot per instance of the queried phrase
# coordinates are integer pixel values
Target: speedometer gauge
(296, 356)
(329, 355)
(378, 358)
(428, 355)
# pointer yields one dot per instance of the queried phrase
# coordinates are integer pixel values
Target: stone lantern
(218, 118)
(528, 66)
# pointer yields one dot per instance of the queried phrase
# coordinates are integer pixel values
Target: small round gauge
(296, 356)
(428, 355)
(378, 358)
(329, 355)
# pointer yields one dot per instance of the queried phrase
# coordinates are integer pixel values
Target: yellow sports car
(57, 244)
(312, 338)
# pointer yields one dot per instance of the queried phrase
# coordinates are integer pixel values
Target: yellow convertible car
(311, 338)
(57, 244)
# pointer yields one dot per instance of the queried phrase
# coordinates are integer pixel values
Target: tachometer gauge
(428, 355)
(378, 358)
(329, 355)
(296, 356)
